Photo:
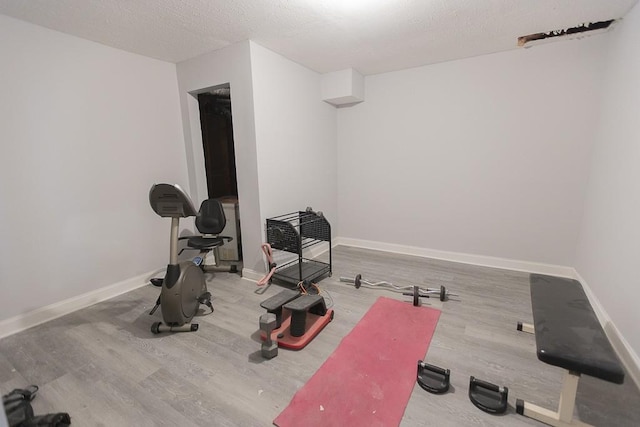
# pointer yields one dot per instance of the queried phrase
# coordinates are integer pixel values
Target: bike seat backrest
(210, 218)
(170, 201)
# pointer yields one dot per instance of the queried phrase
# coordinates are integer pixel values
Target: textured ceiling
(372, 36)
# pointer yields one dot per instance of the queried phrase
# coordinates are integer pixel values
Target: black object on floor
(488, 397)
(433, 378)
(17, 407)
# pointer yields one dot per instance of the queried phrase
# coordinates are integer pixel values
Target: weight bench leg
(526, 327)
(564, 416)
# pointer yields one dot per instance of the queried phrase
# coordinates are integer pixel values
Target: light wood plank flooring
(103, 366)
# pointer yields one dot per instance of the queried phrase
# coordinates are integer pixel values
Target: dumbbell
(269, 347)
(442, 293)
(418, 292)
(416, 295)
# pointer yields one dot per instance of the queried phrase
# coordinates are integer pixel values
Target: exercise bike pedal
(157, 281)
(205, 299)
(155, 307)
(488, 397)
(433, 378)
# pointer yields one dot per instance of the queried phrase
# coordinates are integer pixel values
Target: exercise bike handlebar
(171, 201)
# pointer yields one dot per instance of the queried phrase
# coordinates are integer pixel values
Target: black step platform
(299, 317)
(299, 307)
(308, 303)
(278, 300)
(275, 303)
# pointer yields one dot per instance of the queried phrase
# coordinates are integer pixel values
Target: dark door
(217, 141)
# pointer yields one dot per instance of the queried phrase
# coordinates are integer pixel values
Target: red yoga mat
(368, 379)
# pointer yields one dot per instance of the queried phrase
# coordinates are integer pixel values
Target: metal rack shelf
(294, 233)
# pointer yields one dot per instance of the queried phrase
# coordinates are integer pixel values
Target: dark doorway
(220, 166)
(217, 142)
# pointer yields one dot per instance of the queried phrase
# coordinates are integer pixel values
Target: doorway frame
(246, 166)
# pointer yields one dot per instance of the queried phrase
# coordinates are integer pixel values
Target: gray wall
(486, 156)
(609, 246)
(231, 65)
(85, 130)
(285, 137)
(295, 137)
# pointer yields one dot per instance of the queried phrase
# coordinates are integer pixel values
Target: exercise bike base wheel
(155, 328)
(158, 327)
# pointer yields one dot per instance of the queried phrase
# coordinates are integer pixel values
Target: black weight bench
(568, 335)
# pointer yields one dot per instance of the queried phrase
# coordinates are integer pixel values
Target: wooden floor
(103, 366)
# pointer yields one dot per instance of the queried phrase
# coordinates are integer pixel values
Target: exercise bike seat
(210, 221)
(204, 243)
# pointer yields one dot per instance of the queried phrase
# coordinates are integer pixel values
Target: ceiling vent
(586, 29)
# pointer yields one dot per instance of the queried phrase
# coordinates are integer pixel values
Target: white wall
(609, 247)
(295, 137)
(486, 156)
(230, 65)
(283, 134)
(85, 131)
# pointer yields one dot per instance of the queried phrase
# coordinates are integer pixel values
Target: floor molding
(40, 315)
(252, 275)
(481, 260)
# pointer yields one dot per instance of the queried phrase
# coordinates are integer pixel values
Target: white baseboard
(627, 355)
(52, 311)
(481, 260)
(252, 275)
(485, 261)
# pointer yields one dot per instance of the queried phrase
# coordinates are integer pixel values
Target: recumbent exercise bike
(184, 287)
